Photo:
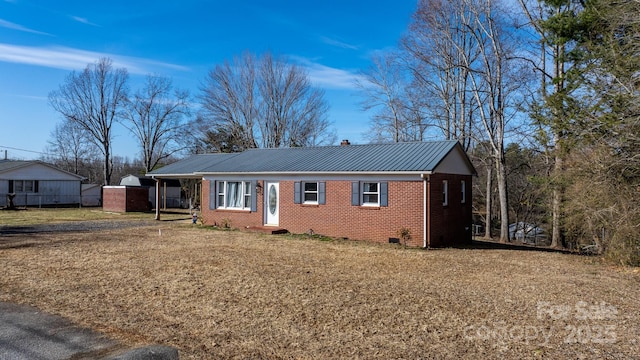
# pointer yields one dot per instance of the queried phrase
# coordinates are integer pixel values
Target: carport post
(158, 184)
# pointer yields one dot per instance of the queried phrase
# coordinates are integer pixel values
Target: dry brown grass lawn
(217, 294)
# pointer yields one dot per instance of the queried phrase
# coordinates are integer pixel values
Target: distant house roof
(7, 166)
(409, 157)
(134, 180)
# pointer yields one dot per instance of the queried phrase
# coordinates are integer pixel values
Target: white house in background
(170, 193)
(36, 183)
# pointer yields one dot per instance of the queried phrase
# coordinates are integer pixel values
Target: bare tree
(230, 102)
(155, 116)
(92, 99)
(385, 87)
(490, 90)
(464, 60)
(437, 42)
(71, 147)
(293, 112)
(390, 87)
(263, 102)
(123, 166)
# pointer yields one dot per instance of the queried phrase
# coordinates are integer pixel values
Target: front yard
(227, 294)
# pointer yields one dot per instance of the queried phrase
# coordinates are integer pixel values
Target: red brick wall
(338, 218)
(124, 199)
(235, 218)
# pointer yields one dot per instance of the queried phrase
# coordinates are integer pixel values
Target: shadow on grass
(494, 245)
(172, 213)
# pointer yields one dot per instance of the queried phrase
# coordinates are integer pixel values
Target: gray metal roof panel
(395, 157)
(12, 164)
(7, 165)
(192, 164)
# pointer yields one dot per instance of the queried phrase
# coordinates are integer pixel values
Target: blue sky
(41, 42)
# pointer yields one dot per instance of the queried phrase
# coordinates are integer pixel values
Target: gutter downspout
(426, 213)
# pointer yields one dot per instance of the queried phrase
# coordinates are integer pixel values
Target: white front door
(272, 203)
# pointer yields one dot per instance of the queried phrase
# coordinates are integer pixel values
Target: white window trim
(363, 193)
(221, 189)
(304, 192)
(445, 193)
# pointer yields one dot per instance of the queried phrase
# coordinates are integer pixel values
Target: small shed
(170, 193)
(125, 199)
(36, 183)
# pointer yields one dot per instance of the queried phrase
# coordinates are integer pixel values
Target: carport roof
(409, 157)
(190, 166)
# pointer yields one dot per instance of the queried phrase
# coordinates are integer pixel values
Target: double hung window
(234, 194)
(309, 192)
(370, 194)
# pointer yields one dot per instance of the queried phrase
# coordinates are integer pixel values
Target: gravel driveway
(29, 235)
(74, 226)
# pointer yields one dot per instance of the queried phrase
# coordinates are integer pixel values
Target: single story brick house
(365, 192)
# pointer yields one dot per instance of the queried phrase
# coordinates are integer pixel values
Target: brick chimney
(345, 142)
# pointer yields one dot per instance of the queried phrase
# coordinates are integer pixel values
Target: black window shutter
(322, 199)
(297, 197)
(355, 193)
(10, 186)
(384, 194)
(254, 196)
(36, 185)
(213, 195)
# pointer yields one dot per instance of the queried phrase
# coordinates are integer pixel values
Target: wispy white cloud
(14, 26)
(75, 59)
(83, 20)
(338, 43)
(30, 97)
(328, 77)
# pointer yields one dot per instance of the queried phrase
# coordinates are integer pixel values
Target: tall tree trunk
(556, 201)
(107, 165)
(501, 174)
(556, 205)
(487, 225)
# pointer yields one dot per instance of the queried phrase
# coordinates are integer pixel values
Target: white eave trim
(268, 175)
(317, 173)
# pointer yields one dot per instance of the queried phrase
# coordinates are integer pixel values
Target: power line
(25, 150)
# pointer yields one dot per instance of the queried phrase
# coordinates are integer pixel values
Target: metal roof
(406, 157)
(191, 165)
(135, 180)
(8, 165)
(13, 164)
